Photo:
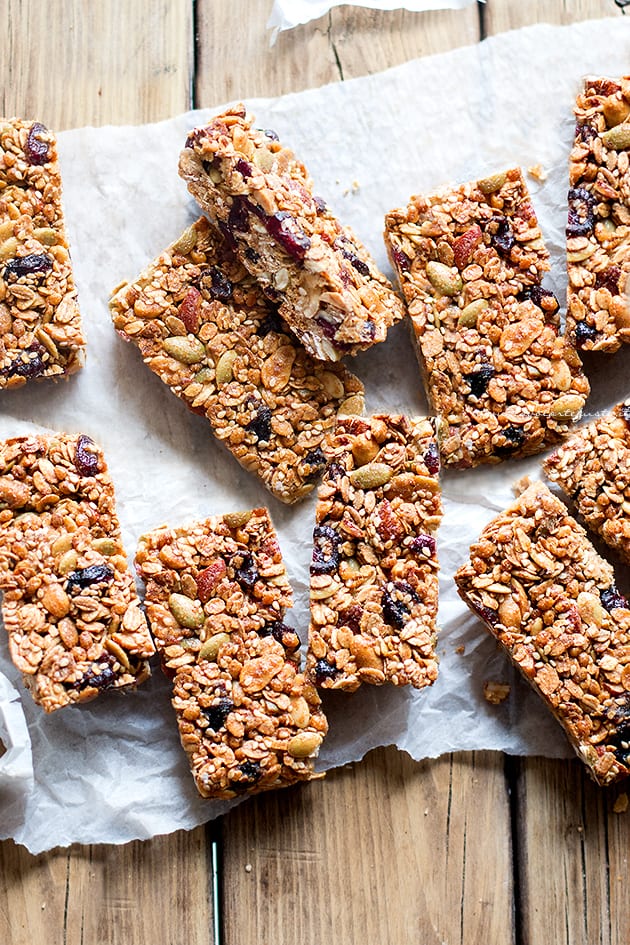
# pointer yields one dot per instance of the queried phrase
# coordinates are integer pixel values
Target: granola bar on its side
(329, 288)
(500, 377)
(204, 327)
(545, 594)
(374, 585)
(593, 468)
(70, 606)
(216, 598)
(598, 226)
(40, 326)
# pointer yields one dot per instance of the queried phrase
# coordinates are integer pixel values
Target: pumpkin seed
(186, 350)
(210, 649)
(371, 476)
(188, 613)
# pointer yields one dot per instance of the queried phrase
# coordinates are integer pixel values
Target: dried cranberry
(609, 279)
(541, 297)
(244, 168)
(100, 675)
(335, 471)
(26, 265)
(94, 574)
(503, 237)
(188, 309)
(247, 573)
(250, 772)
(238, 217)
(217, 714)
(585, 133)
(85, 459)
(285, 635)
(479, 379)
(432, 459)
(514, 439)
(36, 150)
(346, 248)
(611, 598)
(217, 284)
(326, 543)
(194, 137)
(424, 545)
(34, 367)
(351, 617)
(251, 254)
(584, 333)
(286, 231)
(400, 258)
(581, 220)
(271, 322)
(315, 461)
(320, 204)
(324, 671)
(487, 615)
(227, 234)
(395, 611)
(260, 425)
(464, 246)
(208, 579)
(620, 739)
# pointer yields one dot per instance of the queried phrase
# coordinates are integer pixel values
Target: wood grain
(501, 15)
(386, 851)
(346, 43)
(72, 62)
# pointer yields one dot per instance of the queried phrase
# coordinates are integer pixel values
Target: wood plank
(69, 62)
(389, 850)
(500, 15)
(572, 851)
(153, 892)
(346, 43)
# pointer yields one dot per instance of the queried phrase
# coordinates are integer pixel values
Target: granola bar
(593, 469)
(40, 325)
(216, 598)
(204, 327)
(498, 374)
(547, 596)
(70, 606)
(598, 226)
(374, 587)
(328, 287)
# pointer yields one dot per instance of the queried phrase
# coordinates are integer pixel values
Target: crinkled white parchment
(113, 770)
(286, 14)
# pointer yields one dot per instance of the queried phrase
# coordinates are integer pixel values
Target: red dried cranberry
(26, 265)
(620, 738)
(424, 545)
(286, 231)
(586, 133)
(271, 322)
(250, 773)
(208, 579)
(34, 367)
(100, 675)
(325, 550)
(335, 471)
(260, 425)
(581, 220)
(541, 297)
(489, 616)
(351, 617)
(503, 237)
(465, 244)
(217, 284)
(85, 577)
(395, 611)
(479, 379)
(244, 168)
(400, 258)
(315, 463)
(217, 714)
(514, 439)
(348, 251)
(584, 333)
(282, 633)
(85, 459)
(227, 235)
(247, 573)
(611, 598)
(36, 150)
(432, 459)
(324, 671)
(238, 217)
(609, 279)
(320, 204)
(195, 136)
(189, 309)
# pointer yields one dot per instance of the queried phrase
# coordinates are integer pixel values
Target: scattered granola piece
(70, 605)
(328, 287)
(547, 596)
(502, 380)
(538, 172)
(40, 325)
(621, 804)
(495, 692)
(216, 597)
(374, 571)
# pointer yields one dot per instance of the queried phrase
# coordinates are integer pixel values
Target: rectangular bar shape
(328, 287)
(598, 225)
(40, 325)
(470, 262)
(374, 584)
(545, 594)
(204, 327)
(216, 597)
(70, 606)
(593, 469)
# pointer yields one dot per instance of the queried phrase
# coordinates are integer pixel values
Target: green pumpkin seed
(443, 278)
(188, 613)
(210, 649)
(186, 350)
(617, 138)
(225, 367)
(371, 476)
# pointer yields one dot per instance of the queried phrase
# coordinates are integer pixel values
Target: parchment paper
(286, 14)
(113, 770)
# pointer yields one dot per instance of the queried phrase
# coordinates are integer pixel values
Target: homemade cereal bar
(70, 606)
(498, 374)
(204, 327)
(327, 285)
(374, 584)
(593, 469)
(40, 326)
(598, 227)
(545, 594)
(216, 598)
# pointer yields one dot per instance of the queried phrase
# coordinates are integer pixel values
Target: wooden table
(471, 848)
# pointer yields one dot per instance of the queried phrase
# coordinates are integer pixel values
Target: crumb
(495, 692)
(538, 172)
(460, 649)
(621, 804)
(426, 811)
(521, 485)
(248, 867)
